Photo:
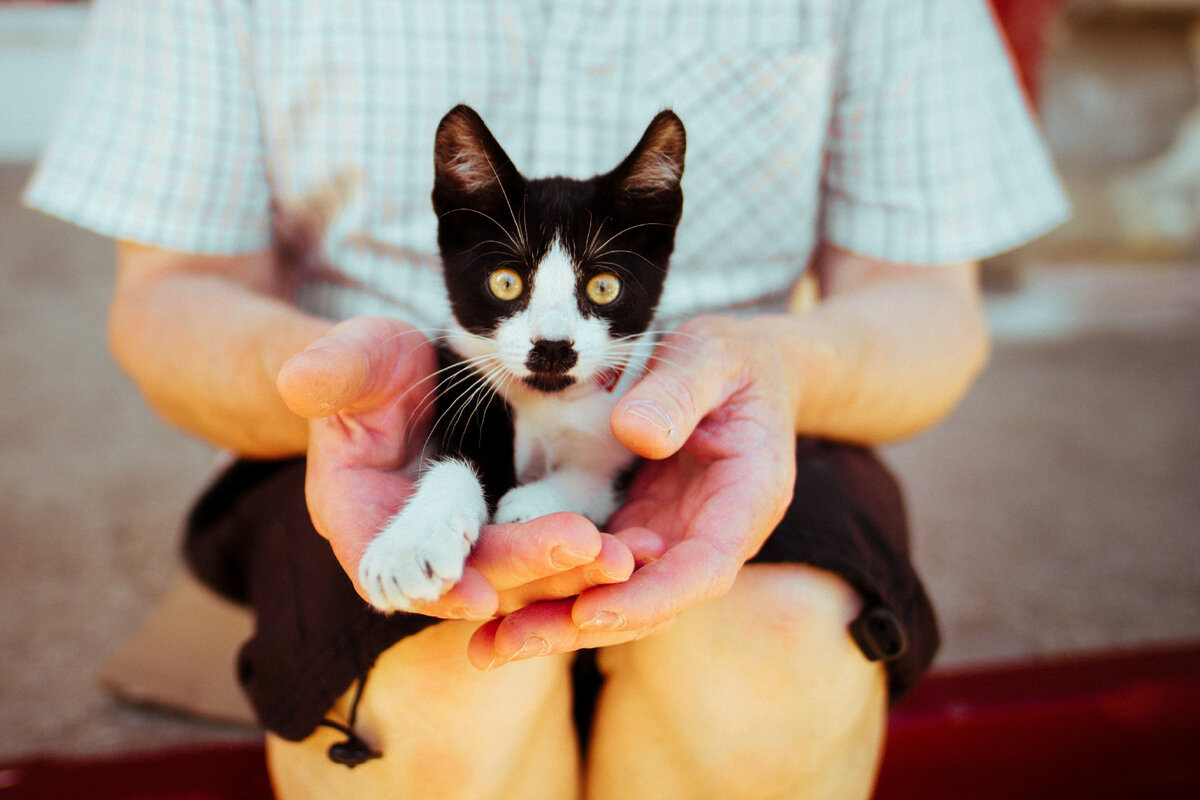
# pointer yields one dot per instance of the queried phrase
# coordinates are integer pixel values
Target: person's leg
(446, 729)
(760, 694)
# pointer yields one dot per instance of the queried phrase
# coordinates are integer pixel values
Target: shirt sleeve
(159, 139)
(932, 155)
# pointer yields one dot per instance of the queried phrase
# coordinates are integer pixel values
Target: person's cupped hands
(367, 389)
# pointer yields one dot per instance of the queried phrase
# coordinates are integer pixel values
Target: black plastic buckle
(879, 634)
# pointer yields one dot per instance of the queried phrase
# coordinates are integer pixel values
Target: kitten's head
(551, 278)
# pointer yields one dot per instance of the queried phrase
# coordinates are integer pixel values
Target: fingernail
(534, 645)
(468, 613)
(604, 621)
(563, 558)
(651, 413)
(597, 575)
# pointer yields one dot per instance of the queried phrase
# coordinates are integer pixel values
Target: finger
(322, 378)
(691, 572)
(516, 554)
(614, 563)
(481, 646)
(360, 359)
(643, 543)
(656, 417)
(541, 630)
(533, 631)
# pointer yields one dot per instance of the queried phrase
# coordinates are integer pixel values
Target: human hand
(367, 390)
(716, 417)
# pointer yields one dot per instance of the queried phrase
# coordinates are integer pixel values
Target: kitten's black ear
(470, 168)
(651, 173)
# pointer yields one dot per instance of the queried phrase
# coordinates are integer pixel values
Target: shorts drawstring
(354, 750)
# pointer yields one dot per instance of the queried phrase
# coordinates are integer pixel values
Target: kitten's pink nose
(551, 355)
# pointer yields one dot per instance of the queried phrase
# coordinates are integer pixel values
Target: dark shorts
(250, 538)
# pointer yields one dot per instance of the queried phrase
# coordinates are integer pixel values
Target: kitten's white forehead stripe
(552, 305)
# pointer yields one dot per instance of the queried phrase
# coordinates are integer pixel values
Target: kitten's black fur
(628, 209)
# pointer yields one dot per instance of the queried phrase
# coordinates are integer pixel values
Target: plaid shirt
(892, 128)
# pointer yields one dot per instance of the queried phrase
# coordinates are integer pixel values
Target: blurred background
(1057, 512)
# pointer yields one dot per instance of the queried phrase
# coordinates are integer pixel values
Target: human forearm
(889, 351)
(203, 339)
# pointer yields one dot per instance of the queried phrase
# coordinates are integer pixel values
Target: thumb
(658, 415)
(359, 359)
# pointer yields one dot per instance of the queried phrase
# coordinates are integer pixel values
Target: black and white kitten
(553, 284)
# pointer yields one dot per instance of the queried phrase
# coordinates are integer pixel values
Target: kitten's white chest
(566, 457)
(554, 433)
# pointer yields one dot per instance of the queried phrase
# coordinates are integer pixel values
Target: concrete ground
(1056, 511)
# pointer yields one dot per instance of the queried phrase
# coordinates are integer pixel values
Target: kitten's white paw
(421, 551)
(531, 501)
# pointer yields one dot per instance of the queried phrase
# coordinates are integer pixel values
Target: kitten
(553, 284)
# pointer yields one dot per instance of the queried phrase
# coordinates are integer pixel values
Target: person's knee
(470, 721)
(764, 689)
(780, 634)
(445, 727)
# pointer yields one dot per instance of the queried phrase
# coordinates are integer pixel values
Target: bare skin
(888, 352)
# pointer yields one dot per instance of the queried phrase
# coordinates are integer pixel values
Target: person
(740, 626)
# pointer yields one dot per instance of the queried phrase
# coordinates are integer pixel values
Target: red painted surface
(1114, 725)
(213, 772)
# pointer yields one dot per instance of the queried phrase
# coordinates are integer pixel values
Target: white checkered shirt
(891, 128)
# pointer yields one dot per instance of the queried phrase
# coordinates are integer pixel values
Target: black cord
(354, 750)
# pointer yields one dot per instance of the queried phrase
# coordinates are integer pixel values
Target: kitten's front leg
(589, 494)
(421, 551)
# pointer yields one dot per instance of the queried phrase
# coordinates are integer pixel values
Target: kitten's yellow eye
(603, 289)
(506, 284)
